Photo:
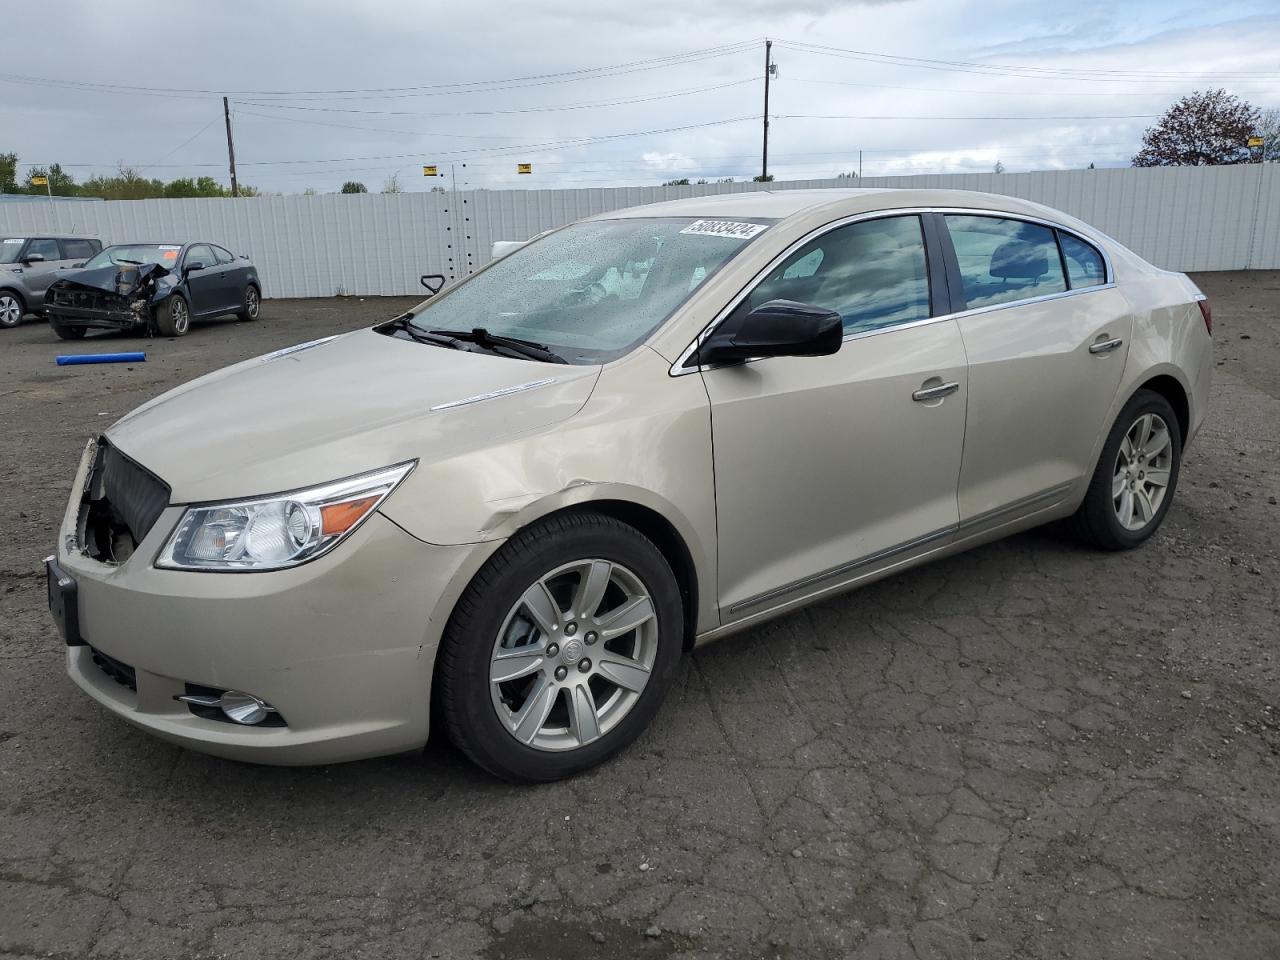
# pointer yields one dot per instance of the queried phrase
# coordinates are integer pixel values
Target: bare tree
(1201, 129)
(998, 168)
(392, 184)
(1268, 128)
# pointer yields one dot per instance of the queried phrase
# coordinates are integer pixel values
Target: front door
(205, 282)
(38, 273)
(828, 468)
(1046, 350)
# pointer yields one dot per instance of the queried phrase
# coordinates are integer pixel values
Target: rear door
(76, 251)
(1046, 333)
(828, 468)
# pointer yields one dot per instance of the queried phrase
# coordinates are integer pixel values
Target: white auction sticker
(16, 240)
(724, 228)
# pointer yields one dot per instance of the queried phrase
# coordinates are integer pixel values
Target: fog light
(245, 708)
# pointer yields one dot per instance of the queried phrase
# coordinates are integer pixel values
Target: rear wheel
(561, 650)
(173, 318)
(252, 304)
(1137, 473)
(11, 309)
(68, 333)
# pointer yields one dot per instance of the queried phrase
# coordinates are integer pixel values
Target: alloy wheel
(251, 303)
(10, 310)
(1143, 467)
(180, 315)
(573, 655)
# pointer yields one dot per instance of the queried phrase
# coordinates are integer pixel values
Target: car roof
(781, 204)
(39, 235)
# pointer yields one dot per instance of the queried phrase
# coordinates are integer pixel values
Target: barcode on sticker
(724, 228)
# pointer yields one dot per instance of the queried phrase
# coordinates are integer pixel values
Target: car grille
(121, 673)
(81, 299)
(134, 494)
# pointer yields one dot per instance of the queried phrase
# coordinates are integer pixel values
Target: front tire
(11, 309)
(560, 651)
(252, 304)
(1133, 484)
(173, 318)
(67, 333)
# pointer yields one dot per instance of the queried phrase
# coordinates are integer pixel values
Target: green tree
(682, 182)
(354, 186)
(8, 172)
(61, 183)
(1199, 130)
(759, 179)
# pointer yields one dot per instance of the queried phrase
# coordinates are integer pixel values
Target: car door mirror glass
(778, 328)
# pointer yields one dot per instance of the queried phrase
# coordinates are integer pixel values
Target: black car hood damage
(123, 279)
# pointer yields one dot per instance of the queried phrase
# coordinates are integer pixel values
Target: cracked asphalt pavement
(1030, 751)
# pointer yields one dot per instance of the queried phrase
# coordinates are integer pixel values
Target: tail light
(1207, 312)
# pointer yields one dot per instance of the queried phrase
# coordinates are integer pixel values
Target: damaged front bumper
(114, 298)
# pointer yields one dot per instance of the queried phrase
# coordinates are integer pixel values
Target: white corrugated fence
(1179, 218)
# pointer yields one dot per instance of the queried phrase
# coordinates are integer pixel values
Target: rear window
(1085, 267)
(78, 249)
(1003, 260)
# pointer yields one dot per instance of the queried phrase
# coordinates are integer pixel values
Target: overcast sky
(424, 76)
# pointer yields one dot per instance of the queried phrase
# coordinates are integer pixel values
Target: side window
(45, 248)
(874, 273)
(77, 249)
(1085, 266)
(1004, 260)
(201, 253)
(223, 256)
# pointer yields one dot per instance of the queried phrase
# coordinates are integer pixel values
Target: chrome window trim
(679, 368)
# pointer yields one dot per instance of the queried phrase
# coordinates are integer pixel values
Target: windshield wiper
(405, 323)
(483, 338)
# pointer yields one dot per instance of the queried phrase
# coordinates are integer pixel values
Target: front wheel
(252, 308)
(1137, 473)
(560, 651)
(68, 333)
(11, 309)
(173, 317)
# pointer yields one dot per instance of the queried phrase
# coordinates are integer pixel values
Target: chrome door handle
(935, 393)
(1105, 346)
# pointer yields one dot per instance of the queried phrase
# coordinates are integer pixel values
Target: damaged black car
(153, 288)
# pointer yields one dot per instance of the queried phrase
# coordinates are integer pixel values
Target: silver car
(517, 506)
(28, 264)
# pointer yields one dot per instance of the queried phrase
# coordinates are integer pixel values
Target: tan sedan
(515, 507)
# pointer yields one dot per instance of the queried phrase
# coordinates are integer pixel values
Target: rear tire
(252, 304)
(173, 318)
(1134, 481)
(581, 616)
(68, 333)
(11, 309)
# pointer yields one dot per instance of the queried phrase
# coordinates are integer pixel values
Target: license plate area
(64, 602)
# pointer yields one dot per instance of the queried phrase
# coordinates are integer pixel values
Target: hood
(123, 279)
(337, 407)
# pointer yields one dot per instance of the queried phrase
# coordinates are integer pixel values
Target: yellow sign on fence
(1255, 141)
(429, 170)
(39, 181)
(524, 168)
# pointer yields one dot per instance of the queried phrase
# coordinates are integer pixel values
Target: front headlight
(284, 530)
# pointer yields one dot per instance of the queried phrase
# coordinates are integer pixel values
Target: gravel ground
(1030, 751)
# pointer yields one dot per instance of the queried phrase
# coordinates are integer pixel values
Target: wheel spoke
(515, 663)
(1158, 477)
(1124, 509)
(1144, 432)
(623, 671)
(1143, 506)
(533, 714)
(540, 605)
(1156, 443)
(624, 619)
(591, 588)
(1118, 484)
(1126, 449)
(584, 722)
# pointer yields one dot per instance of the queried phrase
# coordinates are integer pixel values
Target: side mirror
(779, 328)
(33, 258)
(194, 265)
(77, 266)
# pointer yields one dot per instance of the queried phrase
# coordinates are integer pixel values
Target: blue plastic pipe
(74, 358)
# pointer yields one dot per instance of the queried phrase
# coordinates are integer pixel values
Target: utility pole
(764, 154)
(231, 147)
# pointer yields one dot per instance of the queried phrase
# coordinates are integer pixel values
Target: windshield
(165, 254)
(10, 247)
(594, 290)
